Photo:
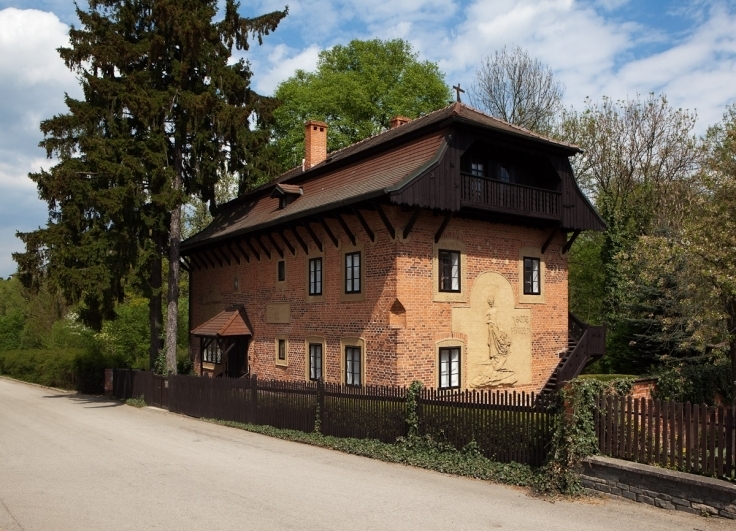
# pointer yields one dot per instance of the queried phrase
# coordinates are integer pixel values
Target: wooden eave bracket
(412, 220)
(345, 228)
(443, 226)
(242, 251)
(252, 249)
(312, 235)
(210, 252)
(275, 245)
(570, 241)
(232, 252)
(385, 220)
(299, 239)
(265, 249)
(549, 240)
(291, 248)
(364, 224)
(328, 231)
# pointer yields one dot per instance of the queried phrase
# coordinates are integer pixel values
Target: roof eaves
(185, 249)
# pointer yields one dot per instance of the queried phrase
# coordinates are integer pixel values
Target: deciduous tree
(513, 86)
(356, 89)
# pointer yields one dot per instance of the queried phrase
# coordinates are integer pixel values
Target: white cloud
(33, 80)
(274, 65)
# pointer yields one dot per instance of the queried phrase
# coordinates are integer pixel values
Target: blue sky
(614, 48)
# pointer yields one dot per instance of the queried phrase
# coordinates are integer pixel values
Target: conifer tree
(163, 115)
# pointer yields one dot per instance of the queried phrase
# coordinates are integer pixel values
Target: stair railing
(575, 362)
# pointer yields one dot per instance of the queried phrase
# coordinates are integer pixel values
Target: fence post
(254, 399)
(320, 405)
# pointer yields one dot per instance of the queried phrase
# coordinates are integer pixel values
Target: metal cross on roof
(458, 90)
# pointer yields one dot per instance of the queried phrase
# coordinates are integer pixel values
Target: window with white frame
(212, 352)
(352, 272)
(449, 270)
(315, 361)
(449, 368)
(531, 276)
(315, 276)
(353, 365)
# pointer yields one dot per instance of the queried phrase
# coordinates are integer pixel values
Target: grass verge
(136, 402)
(421, 452)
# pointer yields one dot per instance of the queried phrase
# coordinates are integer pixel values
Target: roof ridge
(518, 127)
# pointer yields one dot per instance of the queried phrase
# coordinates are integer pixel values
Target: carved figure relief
(499, 350)
(493, 371)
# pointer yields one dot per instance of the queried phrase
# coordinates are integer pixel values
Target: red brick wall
(399, 347)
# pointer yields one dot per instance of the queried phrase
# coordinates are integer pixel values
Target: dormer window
(287, 194)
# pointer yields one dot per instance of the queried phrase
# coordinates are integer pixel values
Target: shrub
(78, 369)
(697, 382)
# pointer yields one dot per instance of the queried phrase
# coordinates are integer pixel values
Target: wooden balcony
(491, 194)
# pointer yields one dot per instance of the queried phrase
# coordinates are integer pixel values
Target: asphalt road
(73, 462)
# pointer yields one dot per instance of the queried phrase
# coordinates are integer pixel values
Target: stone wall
(667, 489)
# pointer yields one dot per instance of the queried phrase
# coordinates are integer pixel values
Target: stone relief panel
(278, 313)
(499, 345)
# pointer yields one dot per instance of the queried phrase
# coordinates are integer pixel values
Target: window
(281, 270)
(504, 174)
(352, 365)
(315, 276)
(315, 361)
(449, 368)
(449, 273)
(212, 352)
(283, 201)
(476, 169)
(352, 272)
(282, 350)
(531, 276)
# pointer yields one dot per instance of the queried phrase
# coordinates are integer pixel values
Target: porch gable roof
(228, 323)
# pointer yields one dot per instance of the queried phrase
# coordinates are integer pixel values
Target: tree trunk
(172, 299)
(732, 352)
(154, 302)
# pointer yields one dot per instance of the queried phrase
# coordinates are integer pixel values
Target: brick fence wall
(667, 489)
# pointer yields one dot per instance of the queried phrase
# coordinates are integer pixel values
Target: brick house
(435, 251)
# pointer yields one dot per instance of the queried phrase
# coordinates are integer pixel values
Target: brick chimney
(315, 143)
(396, 121)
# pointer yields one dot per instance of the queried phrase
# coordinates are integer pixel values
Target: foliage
(127, 336)
(586, 278)
(165, 112)
(71, 368)
(517, 88)
(356, 90)
(416, 451)
(698, 381)
(639, 163)
(574, 436)
(709, 236)
(136, 402)
(412, 408)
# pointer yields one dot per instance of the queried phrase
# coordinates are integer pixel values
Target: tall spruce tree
(164, 115)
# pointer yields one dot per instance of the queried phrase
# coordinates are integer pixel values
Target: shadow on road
(89, 401)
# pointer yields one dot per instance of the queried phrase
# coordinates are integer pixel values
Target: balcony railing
(513, 198)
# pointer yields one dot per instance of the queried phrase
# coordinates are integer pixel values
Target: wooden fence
(505, 426)
(688, 437)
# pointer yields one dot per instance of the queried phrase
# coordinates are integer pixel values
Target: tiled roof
(225, 324)
(355, 177)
